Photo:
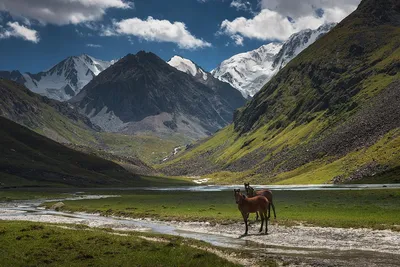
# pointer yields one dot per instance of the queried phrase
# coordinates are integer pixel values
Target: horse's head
(238, 195)
(249, 189)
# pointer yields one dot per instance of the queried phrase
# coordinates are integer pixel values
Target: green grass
(379, 209)
(33, 244)
(149, 148)
(11, 195)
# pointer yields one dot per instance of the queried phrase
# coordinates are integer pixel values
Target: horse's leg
(245, 218)
(273, 208)
(256, 216)
(267, 217)
(262, 221)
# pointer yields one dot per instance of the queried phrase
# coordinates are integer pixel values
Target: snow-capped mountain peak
(65, 79)
(298, 42)
(250, 71)
(187, 66)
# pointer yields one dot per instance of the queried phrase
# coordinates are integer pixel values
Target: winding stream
(313, 246)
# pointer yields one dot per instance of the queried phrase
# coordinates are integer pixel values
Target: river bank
(296, 245)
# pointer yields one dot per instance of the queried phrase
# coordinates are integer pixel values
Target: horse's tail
(269, 209)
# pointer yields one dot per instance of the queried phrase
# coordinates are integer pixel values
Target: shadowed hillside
(29, 159)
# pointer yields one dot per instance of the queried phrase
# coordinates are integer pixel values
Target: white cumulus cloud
(14, 29)
(237, 39)
(300, 8)
(241, 5)
(94, 45)
(61, 12)
(278, 19)
(157, 30)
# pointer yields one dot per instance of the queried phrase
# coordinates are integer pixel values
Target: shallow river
(299, 245)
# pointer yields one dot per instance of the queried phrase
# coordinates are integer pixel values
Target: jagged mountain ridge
(187, 66)
(331, 115)
(143, 93)
(297, 43)
(249, 71)
(62, 81)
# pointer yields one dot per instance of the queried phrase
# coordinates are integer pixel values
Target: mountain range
(62, 81)
(249, 71)
(329, 112)
(142, 93)
(331, 115)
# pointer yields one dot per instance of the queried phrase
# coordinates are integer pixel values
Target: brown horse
(266, 193)
(253, 204)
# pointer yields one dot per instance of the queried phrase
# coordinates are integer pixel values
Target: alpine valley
(321, 107)
(331, 115)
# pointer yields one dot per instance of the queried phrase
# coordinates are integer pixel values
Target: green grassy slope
(331, 115)
(30, 159)
(48, 117)
(57, 121)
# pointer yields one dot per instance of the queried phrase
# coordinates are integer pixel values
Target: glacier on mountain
(250, 71)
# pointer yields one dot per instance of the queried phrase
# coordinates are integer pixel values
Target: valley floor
(314, 228)
(374, 208)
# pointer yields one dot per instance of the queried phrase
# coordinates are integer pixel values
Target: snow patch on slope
(187, 66)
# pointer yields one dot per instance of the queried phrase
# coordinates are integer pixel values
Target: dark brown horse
(265, 192)
(248, 205)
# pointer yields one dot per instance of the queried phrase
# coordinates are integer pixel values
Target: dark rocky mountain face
(143, 93)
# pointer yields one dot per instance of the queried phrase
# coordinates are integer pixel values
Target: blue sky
(36, 34)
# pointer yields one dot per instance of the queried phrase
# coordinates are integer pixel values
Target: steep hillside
(141, 93)
(62, 81)
(60, 122)
(331, 115)
(51, 118)
(249, 71)
(29, 159)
